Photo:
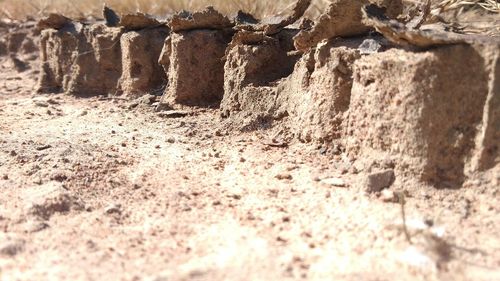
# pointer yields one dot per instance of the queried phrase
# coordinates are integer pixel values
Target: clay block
(141, 71)
(250, 67)
(319, 90)
(84, 61)
(195, 67)
(424, 108)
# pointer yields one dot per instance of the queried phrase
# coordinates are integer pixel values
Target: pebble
(376, 182)
(284, 176)
(113, 209)
(12, 248)
(388, 196)
(334, 182)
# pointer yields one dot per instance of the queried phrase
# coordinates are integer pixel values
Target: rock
(388, 195)
(113, 209)
(284, 176)
(112, 19)
(334, 182)
(375, 182)
(54, 21)
(12, 248)
(138, 21)
(273, 24)
(423, 125)
(141, 72)
(33, 226)
(343, 18)
(3, 48)
(205, 19)
(195, 67)
(173, 114)
(250, 70)
(89, 64)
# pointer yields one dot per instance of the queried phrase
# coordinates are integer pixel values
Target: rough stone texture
(487, 151)
(195, 67)
(56, 60)
(343, 18)
(82, 62)
(53, 21)
(3, 48)
(423, 108)
(313, 94)
(377, 181)
(319, 90)
(273, 24)
(138, 21)
(251, 73)
(206, 19)
(141, 71)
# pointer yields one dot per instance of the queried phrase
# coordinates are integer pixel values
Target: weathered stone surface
(3, 48)
(313, 93)
(195, 66)
(138, 21)
(319, 90)
(487, 149)
(411, 105)
(205, 19)
(375, 182)
(54, 21)
(274, 24)
(251, 72)
(82, 62)
(141, 72)
(343, 18)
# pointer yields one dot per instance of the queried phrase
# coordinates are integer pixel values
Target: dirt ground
(97, 189)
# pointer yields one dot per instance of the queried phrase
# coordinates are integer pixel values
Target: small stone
(12, 248)
(5, 177)
(388, 196)
(35, 226)
(113, 209)
(171, 140)
(83, 113)
(334, 182)
(375, 182)
(284, 176)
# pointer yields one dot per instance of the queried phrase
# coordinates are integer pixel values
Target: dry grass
(16, 9)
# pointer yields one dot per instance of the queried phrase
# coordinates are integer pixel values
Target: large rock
(424, 108)
(81, 60)
(195, 63)
(140, 51)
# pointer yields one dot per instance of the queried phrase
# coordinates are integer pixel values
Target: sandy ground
(94, 190)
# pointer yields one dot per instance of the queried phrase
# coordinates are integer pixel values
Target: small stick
(402, 202)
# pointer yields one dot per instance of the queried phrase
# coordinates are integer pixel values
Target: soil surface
(109, 189)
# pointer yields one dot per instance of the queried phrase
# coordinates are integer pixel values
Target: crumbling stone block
(195, 67)
(253, 71)
(424, 108)
(141, 72)
(81, 60)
